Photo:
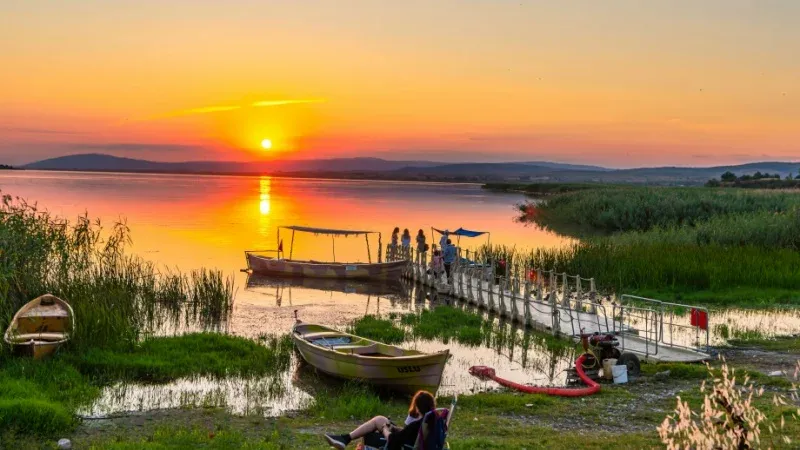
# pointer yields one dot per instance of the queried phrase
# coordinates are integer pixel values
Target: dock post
(578, 294)
(501, 307)
(490, 291)
(565, 294)
(556, 320)
(480, 290)
(592, 297)
(527, 300)
(539, 286)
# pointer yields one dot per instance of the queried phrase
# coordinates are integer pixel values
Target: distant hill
(376, 168)
(102, 162)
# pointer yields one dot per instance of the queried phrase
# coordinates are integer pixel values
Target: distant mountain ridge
(376, 168)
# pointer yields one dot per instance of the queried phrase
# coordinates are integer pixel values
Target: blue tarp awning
(462, 232)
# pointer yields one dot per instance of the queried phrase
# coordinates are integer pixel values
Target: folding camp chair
(432, 434)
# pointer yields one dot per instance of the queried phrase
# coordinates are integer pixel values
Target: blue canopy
(462, 232)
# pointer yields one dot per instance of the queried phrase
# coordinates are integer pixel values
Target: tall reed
(117, 298)
(619, 209)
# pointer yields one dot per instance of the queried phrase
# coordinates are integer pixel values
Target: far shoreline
(360, 176)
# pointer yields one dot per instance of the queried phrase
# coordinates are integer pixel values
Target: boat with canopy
(260, 263)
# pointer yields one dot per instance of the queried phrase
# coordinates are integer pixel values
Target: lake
(193, 221)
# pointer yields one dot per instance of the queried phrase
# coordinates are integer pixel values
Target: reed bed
(620, 209)
(117, 298)
(717, 246)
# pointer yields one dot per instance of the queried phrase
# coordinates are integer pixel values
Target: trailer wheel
(632, 361)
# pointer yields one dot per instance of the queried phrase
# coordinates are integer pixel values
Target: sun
(266, 144)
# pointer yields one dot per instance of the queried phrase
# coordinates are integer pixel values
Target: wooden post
(333, 242)
(527, 300)
(369, 254)
(502, 297)
(556, 321)
(578, 293)
(380, 247)
(291, 246)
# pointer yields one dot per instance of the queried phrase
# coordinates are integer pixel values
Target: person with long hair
(380, 430)
(405, 241)
(395, 238)
(421, 244)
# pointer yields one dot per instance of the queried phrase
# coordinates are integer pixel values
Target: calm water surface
(208, 221)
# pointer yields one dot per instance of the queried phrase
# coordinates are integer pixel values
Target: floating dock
(568, 305)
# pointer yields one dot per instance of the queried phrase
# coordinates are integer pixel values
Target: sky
(620, 83)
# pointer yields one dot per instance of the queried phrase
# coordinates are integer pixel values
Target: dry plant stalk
(728, 419)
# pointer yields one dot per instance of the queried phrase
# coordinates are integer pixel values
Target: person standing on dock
(405, 241)
(421, 246)
(395, 237)
(449, 254)
(443, 240)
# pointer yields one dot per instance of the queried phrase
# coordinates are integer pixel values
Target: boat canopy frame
(330, 232)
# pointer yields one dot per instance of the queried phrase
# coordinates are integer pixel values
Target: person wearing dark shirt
(380, 428)
(449, 253)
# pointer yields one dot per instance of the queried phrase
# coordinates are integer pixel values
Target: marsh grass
(352, 400)
(448, 323)
(40, 397)
(620, 209)
(117, 298)
(164, 359)
(381, 330)
(189, 439)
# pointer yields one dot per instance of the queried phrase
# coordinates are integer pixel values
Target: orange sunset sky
(617, 83)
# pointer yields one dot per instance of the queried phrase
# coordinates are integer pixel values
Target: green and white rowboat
(355, 358)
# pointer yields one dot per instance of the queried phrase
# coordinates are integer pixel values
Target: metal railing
(670, 328)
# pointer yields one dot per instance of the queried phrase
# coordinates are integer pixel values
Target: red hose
(487, 373)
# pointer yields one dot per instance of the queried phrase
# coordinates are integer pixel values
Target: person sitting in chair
(380, 431)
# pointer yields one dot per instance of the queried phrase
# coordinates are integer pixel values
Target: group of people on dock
(442, 258)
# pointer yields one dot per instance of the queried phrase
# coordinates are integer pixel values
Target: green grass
(448, 323)
(164, 359)
(40, 397)
(680, 371)
(695, 245)
(619, 209)
(381, 330)
(788, 344)
(352, 400)
(190, 439)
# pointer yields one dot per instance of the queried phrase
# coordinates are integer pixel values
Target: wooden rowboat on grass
(41, 326)
(352, 357)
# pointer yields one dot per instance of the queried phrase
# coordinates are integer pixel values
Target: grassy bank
(619, 417)
(40, 397)
(620, 209)
(709, 246)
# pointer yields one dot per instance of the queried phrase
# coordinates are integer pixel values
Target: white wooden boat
(278, 265)
(266, 265)
(41, 326)
(352, 357)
